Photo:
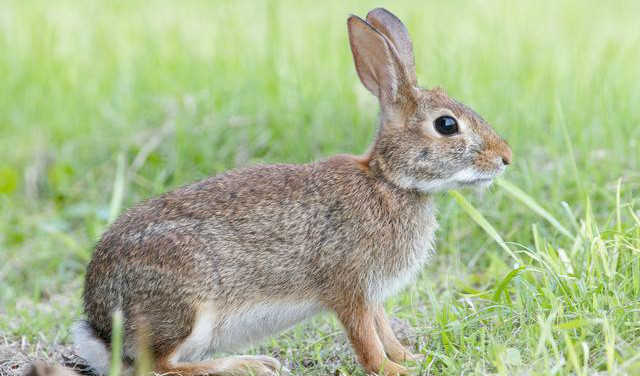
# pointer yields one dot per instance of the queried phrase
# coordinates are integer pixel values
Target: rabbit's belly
(261, 320)
(213, 332)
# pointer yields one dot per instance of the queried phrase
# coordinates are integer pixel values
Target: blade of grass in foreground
(482, 222)
(118, 188)
(116, 344)
(520, 195)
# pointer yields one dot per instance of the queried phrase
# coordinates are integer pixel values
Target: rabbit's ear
(377, 61)
(391, 26)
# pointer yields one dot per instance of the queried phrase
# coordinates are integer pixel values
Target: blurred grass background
(181, 90)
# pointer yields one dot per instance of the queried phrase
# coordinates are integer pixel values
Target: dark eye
(446, 125)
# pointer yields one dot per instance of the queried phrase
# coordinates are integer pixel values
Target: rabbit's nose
(506, 155)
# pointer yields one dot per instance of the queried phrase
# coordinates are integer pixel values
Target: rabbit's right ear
(377, 62)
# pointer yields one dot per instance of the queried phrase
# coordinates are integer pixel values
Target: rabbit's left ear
(377, 62)
(391, 26)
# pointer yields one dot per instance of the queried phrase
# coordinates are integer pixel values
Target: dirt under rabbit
(224, 262)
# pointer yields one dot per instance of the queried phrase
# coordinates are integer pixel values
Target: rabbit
(227, 261)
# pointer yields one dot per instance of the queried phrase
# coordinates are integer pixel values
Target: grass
(103, 104)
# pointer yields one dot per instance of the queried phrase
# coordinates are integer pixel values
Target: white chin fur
(468, 177)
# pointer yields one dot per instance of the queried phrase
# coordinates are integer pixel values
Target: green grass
(103, 104)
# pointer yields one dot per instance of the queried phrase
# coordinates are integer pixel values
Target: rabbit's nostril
(506, 155)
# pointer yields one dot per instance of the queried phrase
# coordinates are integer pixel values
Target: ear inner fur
(376, 60)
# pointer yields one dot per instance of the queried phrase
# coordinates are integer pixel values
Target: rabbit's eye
(446, 125)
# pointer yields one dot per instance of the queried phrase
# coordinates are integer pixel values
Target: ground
(103, 104)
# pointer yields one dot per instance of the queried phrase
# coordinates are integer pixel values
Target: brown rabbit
(234, 258)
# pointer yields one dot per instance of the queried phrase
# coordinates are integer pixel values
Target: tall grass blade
(502, 286)
(609, 338)
(482, 222)
(618, 206)
(573, 356)
(634, 216)
(116, 344)
(572, 217)
(520, 195)
(143, 363)
(118, 188)
(567, 138)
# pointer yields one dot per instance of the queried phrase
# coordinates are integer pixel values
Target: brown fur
(340, 234)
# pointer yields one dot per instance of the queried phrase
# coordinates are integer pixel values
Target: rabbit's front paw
(406, 356)
(389, 368)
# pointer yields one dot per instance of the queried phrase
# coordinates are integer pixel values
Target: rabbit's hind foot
(242, 365)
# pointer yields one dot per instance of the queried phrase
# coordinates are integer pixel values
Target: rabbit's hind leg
(187, 357)
(243, 365)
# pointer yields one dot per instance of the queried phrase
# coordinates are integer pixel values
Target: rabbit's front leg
(359, 322)
(394, 349)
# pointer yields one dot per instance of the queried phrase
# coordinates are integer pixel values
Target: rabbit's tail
(91, 348)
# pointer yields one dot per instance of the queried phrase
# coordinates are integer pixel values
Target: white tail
(91, 348)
